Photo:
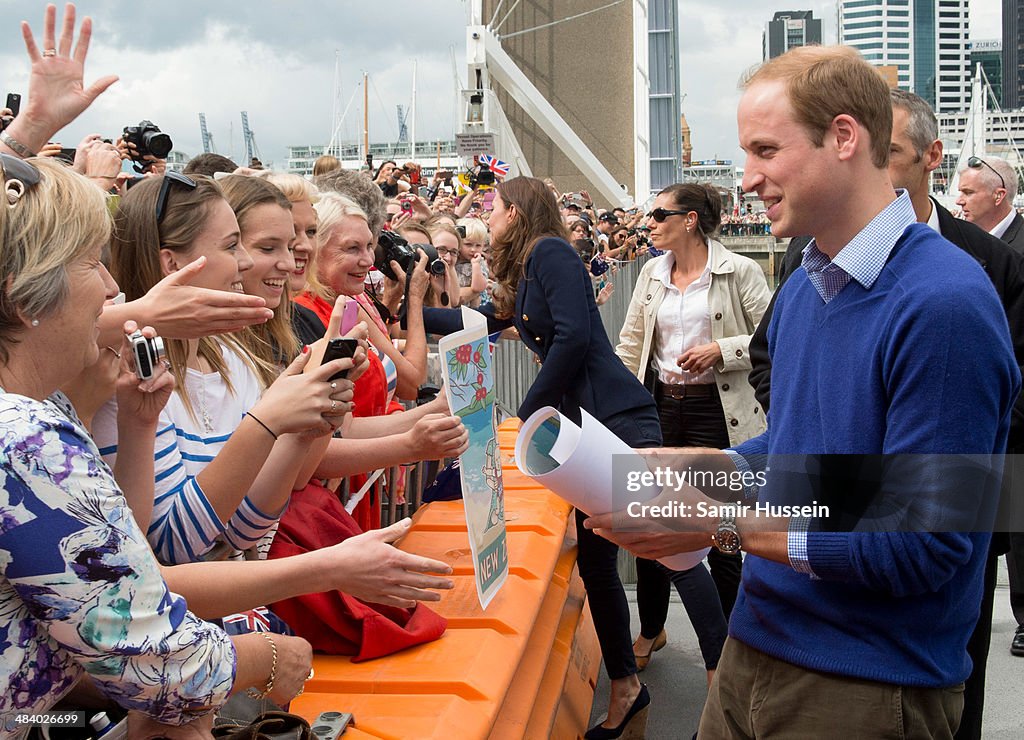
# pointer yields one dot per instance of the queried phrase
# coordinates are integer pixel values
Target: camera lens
(158, 144)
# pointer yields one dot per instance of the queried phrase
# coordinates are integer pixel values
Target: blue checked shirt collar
(863, 258)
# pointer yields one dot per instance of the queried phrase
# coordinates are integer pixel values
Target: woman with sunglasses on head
(685, 337)
(542, 288)
(82, 600)
(228, 451)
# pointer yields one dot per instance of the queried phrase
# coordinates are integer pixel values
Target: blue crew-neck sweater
(921, 362)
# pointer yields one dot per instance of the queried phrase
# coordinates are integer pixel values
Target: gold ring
(310, 676)
(299, 692)
(49, 52)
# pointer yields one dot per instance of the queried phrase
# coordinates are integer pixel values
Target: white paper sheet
(575, 463)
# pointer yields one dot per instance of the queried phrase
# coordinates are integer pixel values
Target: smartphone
(68, 155)
(14, 103)
(339, 349)
(350, 316)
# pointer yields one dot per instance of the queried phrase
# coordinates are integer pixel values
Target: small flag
(259, 619)
(494, 164)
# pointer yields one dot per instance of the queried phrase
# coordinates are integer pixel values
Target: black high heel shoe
(633, 725)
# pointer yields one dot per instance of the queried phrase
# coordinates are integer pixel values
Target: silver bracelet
(23, 151)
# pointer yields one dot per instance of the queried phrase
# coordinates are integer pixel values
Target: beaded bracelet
(273, 672)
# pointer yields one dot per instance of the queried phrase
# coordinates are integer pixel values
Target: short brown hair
(826, 81)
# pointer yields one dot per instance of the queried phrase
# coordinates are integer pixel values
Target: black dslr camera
(642, 234)
(391, 246)
(147, 354)
(480, 175)
(148, 139)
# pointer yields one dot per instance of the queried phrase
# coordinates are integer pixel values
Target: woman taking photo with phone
(228, 453)
(542, 288)
(685, 337)
(81, 595)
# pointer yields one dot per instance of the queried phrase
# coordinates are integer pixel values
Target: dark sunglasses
(18, 170)
(165, 189)
(976, 163)
(660, 214)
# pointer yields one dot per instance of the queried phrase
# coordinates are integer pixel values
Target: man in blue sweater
(893, 355)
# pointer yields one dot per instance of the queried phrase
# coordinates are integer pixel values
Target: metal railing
(515, 369)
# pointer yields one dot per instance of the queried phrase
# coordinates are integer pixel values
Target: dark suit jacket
(760, 363)
(1014, 234)
(557, 319)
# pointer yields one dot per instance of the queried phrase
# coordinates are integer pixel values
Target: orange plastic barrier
(526, 667)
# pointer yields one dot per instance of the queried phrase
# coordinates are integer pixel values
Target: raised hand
(57, 94)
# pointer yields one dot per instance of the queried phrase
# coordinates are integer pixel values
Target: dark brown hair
(702, 199)
(538, 217)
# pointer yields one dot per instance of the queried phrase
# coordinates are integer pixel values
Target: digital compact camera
(147, 354)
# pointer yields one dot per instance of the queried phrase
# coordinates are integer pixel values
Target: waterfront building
(989, 54)
(925, 40)
(788, 29)
(1013, 53)
(429, 154)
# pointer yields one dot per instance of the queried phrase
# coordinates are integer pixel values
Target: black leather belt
(681, 391)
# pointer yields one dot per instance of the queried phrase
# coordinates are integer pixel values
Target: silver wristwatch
(727, 537)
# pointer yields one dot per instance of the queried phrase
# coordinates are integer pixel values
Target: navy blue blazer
(557, 319)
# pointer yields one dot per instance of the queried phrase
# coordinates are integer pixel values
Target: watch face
(727, 541)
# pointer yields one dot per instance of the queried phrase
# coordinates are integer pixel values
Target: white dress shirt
(684, 321)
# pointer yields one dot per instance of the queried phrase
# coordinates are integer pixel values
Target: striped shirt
(184, 525)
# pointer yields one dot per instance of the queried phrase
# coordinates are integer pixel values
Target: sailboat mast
(412, 115)
(337, 102)
(366, 121)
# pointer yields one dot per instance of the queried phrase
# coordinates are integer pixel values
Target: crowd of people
(173, 405)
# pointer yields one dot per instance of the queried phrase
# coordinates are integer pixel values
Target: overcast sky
(276, 60)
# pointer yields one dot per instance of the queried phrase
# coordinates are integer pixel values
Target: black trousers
(690, 422)
(598, 558)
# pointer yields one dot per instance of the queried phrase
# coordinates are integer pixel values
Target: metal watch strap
(23, 151)
(727, 537)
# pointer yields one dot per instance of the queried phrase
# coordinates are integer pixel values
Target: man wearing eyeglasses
(988, 186)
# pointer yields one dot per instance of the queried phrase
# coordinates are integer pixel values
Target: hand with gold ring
(341, 396)
(57, 94)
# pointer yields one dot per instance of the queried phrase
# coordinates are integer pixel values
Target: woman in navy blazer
(543, 290)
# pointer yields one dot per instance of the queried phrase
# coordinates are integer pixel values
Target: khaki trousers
(754, 695)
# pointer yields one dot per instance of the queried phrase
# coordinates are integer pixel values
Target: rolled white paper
(575, 463)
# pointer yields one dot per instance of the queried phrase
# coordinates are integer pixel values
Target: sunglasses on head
(18, 176)
(976, 163)
(660, 214)
(165, 189)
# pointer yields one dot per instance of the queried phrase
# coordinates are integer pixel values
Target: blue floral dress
(80, 589)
